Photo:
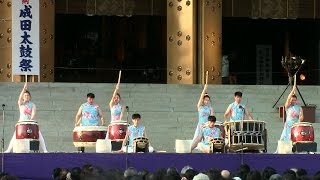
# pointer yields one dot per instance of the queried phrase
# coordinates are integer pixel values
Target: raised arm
(101, 116)
(78, 116)
(227, 113)
(248, 113)
(204, 91)
(301, 116)
(20, 100)
(114, 94)
(211, 111)
(287, 104)
(33, 113)
(122, 112)
(144, 132)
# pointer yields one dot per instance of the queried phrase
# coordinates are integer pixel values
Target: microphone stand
(2, 140)
(127, 144)
(242, 136)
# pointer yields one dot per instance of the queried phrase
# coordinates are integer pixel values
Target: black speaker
(34, 145)
(304, 147)
(116, 145)
(81, 149)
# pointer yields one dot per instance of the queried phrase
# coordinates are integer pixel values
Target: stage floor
(39, 166)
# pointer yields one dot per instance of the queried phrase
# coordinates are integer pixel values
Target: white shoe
(7, 151)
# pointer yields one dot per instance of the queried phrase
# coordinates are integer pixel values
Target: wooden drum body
(86, 136)
(302, 132)
(140, 144)
(27, 130)
(117, 131)
(217, 144)
(253, 134)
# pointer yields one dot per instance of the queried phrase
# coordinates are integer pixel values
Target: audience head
(276, 177)
(254, 175)
(56, 172)
(214, 174)
(189, 174)
(75, 173)
(201, 176)
(268, 172)
(130, 172)
(225, 174)
(184, 169)
(301, 172)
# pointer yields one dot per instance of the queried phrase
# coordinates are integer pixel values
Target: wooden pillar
(210, 36)
(5, 41)
(47, 14)
(47, 22)
(181, 41)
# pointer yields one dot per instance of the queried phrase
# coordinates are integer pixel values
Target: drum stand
(285, 91)
(290, 83)
(242, 136)
(2, 140)
(127, 144)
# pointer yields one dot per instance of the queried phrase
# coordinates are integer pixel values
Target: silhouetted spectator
(130, 172)
(75, 173)
(8, 177)
(268, 172)
(254, 175)
(276, 177)
(301, 172)
(56, 172)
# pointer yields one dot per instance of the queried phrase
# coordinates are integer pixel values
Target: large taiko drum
(27, 130)
(86, 136)
(302, 132)
(140, 144)
(117, 131)
(251, 133)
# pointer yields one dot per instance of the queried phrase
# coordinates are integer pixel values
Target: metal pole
(2, 140)
(127, 144)
(242, 136)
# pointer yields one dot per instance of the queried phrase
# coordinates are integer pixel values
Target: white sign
(25, 37)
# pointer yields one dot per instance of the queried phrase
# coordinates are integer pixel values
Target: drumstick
(119, 77)
(26, 77)
(207, 74)
(294, 80)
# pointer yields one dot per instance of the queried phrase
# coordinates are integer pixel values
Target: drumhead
(302, 124)
(90, 128)
(218, 138)
(245, 121)
(140, 138)
(27, 122)
(119, 122)
(215, 139)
